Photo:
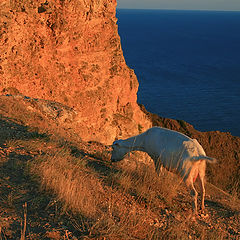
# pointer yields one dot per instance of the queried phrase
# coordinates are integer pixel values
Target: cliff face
(70, 52)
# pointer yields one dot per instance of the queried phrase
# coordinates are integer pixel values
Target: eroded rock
(70, 52)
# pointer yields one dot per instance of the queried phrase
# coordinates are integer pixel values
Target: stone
(70, 52)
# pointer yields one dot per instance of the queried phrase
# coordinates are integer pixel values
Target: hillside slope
(55, 186)
(64, 82)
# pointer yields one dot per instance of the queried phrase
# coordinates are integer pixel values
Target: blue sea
(187, 64)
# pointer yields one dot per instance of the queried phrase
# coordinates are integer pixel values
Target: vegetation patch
(55, 186)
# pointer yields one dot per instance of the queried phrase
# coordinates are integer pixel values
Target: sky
(225, 5)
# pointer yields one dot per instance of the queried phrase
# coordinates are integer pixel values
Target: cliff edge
(70, 52)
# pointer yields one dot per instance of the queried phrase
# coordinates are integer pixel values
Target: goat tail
(206, 158)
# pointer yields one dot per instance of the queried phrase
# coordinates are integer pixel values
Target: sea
(187, 64)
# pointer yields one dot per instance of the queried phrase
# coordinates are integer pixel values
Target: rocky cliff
(63, 59)
(70, 52)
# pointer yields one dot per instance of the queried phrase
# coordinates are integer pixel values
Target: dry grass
(145, 184)
(128, 203)
(126, 200)
(124, 210)
(104, 208)
(79, 189)
(235, 196)
(117, 203)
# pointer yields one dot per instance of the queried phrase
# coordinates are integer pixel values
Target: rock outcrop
(70, 52)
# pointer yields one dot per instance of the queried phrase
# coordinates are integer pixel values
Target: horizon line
(172, 9)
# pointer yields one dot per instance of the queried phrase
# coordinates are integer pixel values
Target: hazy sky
(181, 4)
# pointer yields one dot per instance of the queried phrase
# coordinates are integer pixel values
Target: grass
(235, 195)
(106, 210)
(71, 189)
(84, 193)
(146, 186)
(123, 209)
(127, 200)
(73, 184)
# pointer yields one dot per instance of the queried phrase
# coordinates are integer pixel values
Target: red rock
(70, 52)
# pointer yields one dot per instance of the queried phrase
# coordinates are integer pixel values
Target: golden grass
(75, 186)
(235, 196)
(127, 203)
(145, 184)
(128, 208)
(108, 211)
(130, 202)
(118, 201)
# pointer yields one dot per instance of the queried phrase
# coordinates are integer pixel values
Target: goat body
(174, 150)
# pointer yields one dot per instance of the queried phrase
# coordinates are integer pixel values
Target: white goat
(173, 150)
